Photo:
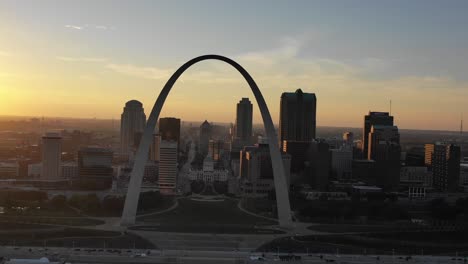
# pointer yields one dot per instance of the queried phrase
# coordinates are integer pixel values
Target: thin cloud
(81, 59)
(141, 72)
(75, 27)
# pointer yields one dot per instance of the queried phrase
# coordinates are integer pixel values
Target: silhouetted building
(384, 149)
(348, 138)
(297, 116)
(167, 167)
(51, 156)
(132, 124)
(446, 167)
(373, 118)
(257, 171)
(205, 135)
(364, 170)
(244, 121)
(94, 168)
(318, 166)
(299, 154)
(169, 129)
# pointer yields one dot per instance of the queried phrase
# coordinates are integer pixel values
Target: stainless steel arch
(133, 193)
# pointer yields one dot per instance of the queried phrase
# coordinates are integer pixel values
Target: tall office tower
(167, 167)
(446, 167)
(384, 148)
(244, 120)
(215, 149)
(51, 156)
(95, 167)
(298, 151)
(154, 148)
(205, 135)
(373, 118)
(297, 116)
(132, 125)
(169, 129)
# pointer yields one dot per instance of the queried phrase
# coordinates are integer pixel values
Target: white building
(208, 173)
(51, 156)
(417, 179)
(342, 162)
(9, 170)
(167, 167)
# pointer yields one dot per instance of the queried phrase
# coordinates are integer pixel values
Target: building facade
(51, 156)
(167, 167)
(243, 127)
(373, 118)
(297, 117)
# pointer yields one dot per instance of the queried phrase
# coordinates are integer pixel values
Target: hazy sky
(87, 58)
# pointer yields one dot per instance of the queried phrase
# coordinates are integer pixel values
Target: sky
(87, 58)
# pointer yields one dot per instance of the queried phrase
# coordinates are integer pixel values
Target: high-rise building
(244, 120)
(132, 125)
(51, 156)
(169, 129)
(297, 116)
(384, 148)
(167, 167)
(257, 171)
(298, 151)
(205, 135)
(446, 167)
(373, 118)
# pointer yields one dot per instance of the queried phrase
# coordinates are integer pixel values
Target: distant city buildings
(168, 167)
(209, 172)
(51, 156)
(297, 117)
(132, 125)
(342, 163)
(215, 149)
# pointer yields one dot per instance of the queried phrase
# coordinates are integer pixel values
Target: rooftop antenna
(461, 124)
(390, 106)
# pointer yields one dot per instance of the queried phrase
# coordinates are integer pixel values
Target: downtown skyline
(87, 64)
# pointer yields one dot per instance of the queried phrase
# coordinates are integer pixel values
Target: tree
(58, 201)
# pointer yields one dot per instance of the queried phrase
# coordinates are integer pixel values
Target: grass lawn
(69, 221)
(210, 217)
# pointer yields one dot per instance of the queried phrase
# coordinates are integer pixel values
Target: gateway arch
(133, 193)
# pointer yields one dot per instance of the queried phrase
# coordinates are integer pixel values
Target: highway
(200, 257)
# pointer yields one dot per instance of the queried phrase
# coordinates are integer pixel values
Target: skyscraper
(384, 148)
(205, 135)
(169, 129)
(373, 118)
(51, 156)
(167, 167)
(132, 124)
(445, 167)
(154, 148)
(244, 120)
(297, 116)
